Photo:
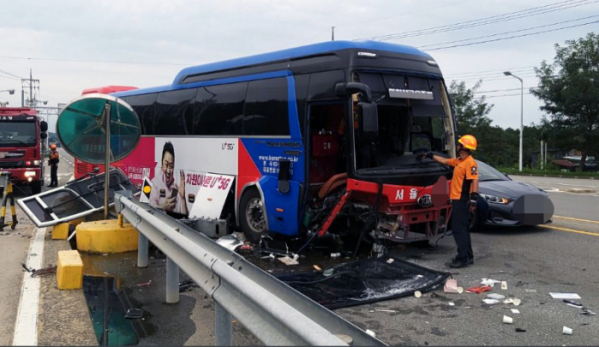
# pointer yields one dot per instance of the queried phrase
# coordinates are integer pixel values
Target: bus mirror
(351, 88)
(284, 175)
(43, 126)
(368, 118)
(43, 136)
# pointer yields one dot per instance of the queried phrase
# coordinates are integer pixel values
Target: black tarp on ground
(365, 281)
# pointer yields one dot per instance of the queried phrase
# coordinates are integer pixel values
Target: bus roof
(107, 89)
(287, 54)
(17, 111)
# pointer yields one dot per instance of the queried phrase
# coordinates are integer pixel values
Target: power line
(533, 11)
(513, 37)
(10, 75)
(504, 95)
(510, 32)
(94, 61)
(500, 90)
(489, 72)
(401, 15)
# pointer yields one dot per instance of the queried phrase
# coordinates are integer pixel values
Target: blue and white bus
(313, 139)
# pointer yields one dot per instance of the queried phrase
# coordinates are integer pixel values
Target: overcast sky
(72, 45)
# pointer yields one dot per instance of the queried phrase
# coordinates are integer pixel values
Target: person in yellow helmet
(53, 162)
(464, 186)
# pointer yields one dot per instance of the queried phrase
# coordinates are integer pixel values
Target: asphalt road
(14, 245)
(559, 257)
(533, 260)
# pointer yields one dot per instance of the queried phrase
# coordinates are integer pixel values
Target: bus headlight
(30, 174)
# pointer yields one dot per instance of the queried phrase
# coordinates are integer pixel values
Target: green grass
(548, 172)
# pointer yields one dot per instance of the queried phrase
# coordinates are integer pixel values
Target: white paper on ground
(569, 296)
(515, 311)
(495, 296)
(491, 301)
(288, 261)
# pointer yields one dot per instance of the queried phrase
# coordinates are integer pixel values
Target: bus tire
(252, 215)
(36, 187)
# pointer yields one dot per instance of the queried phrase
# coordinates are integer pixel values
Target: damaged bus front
(400, 109)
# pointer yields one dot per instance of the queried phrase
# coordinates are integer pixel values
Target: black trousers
(460, 215)
(54, 175)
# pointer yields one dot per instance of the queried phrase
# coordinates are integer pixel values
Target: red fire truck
(22, 133)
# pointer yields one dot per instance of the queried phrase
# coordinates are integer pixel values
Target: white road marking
(573, 185)
(26, 323)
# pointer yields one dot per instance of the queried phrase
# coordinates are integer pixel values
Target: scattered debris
(269, 245)
(451, 303)
(45, 271)
(389, 311)
(491, 301)
(25, 267)
(288, 261)
(434, 295)
(573, 303)
(335, 255)
(230, 242)
(328, 272)
(451, 286)
(531, 290)
(508, 320)
(134, 313)
(587, 312)
(317, 268)
(247, 247)
(417, 294)
(390, 260)
(187, 285)
(569, 296)
(370, 332)
(520, 330)
(479, 289)
(495, 296)
(514, 301)
(489, 282)
(144, 284)
(503, 285)
(567, 331)
(515, 311)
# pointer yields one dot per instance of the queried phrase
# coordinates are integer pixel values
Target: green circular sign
(81, 128)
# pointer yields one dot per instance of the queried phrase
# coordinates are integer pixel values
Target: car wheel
(473, 222)
(252, 218)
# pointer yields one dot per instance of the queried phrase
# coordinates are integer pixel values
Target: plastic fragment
(491, 301)
(479, 289)
(495, 296)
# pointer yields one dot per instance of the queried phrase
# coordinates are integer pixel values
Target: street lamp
(507, 73)
(10, 91)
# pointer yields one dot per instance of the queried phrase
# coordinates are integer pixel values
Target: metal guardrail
(274, 312)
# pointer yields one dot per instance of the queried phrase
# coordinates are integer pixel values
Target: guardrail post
(142, 251)
(172, 282)
(223, 327)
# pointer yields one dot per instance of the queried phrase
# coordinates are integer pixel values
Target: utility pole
(31, 85)
(332, 33)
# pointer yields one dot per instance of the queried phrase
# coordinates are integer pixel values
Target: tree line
(569, 91)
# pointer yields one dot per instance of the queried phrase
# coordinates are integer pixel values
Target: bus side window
(143, 106)
(169, 116)
(266, 108)
(219, 109)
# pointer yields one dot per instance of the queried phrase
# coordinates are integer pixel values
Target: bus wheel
(252, 217)
(36, 187)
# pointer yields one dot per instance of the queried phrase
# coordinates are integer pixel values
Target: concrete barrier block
(69, 272)
(106, 236)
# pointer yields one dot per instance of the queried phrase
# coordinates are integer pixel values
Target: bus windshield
(408, 124)
(15, 133)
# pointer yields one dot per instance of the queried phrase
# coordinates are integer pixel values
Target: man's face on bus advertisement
(168, 167)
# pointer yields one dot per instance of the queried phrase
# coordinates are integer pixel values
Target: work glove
(429, 155)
